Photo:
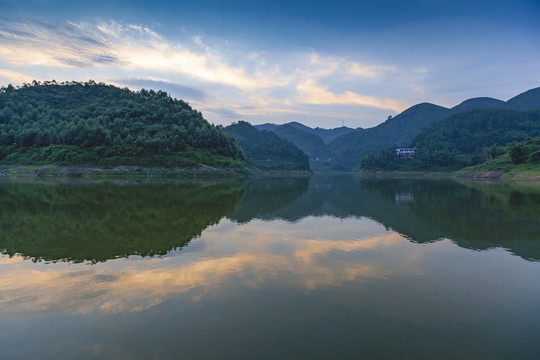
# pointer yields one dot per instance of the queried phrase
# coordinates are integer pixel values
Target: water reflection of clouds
(300, 256)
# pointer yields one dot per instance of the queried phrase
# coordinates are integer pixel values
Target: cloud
(132, 46)
(321, 66)
(311, 93)
(225, 112)
(228, 82)
(370, 71)
(175, 90)
(249, 254)
(52, 44)
(16, 77)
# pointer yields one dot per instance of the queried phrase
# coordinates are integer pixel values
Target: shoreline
(209, 172)
(117, 172)
(139, 173)
(471, 175)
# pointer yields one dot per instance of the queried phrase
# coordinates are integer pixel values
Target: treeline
(527, 151)
(94, 123)
(461, 140)
(266, 150)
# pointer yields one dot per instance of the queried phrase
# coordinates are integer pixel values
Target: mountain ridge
(348, 148)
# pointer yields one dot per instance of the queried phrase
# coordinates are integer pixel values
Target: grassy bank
(405, 174)
(501, 168)
(130, 172)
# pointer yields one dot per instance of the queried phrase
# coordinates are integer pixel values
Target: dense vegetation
(266, 150)
(96, 223)
(57, 222)
(462, 140)
(527, 151)
(97, 124)
(327, 135)
(399, 130)
(311, 144)
(314, 142)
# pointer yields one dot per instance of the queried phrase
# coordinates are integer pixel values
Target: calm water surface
(320, 268)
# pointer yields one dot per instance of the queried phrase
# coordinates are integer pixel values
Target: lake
(296, 268)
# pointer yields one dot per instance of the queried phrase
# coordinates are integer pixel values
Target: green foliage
(517, 151)
(266, 150)
(311, 144)
(314, 142)
(493, 151)
(466, 139)
(399, 130)
(96, 223)
(529, 100)
(89, 123)
(527, 151)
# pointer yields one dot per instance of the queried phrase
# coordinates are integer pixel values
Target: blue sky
(323, 63)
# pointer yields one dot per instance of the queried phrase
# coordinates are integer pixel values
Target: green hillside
(266, 150)
(96, 124)
(479, 103)
(529, 100)
(327, 135)
(330, 134)
(311, 144)
(399, 130)
(461, 140)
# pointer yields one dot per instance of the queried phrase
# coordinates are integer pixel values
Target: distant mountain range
(343, 148)
(266, 150)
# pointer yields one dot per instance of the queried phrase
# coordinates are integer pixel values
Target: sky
(322, 63)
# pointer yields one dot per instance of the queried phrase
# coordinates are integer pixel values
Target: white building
(405, 152)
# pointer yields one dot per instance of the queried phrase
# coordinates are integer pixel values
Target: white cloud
(16, 77)
(311, 93)
(249, 82)
(133, 46)
(248, 255)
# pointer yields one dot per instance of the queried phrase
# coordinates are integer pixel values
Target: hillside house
(406, 152)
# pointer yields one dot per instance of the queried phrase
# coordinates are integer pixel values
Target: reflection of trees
(101, 222)
(265, 197)
(476, 217)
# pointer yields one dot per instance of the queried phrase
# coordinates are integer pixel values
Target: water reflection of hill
(476, 217)
(100, 222)
(262, 197)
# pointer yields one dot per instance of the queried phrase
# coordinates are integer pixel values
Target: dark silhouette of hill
(327, 135)
(330, 134)
(310, 143)
(529, 100)
(479, 103)
(266, 150)
(399, 130)
(346, 147)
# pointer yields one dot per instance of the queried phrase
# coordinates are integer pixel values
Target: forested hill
(97, 124)
(327, 135)
(461, 140)
(348, 149)
(266, 150)
(401, 129)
